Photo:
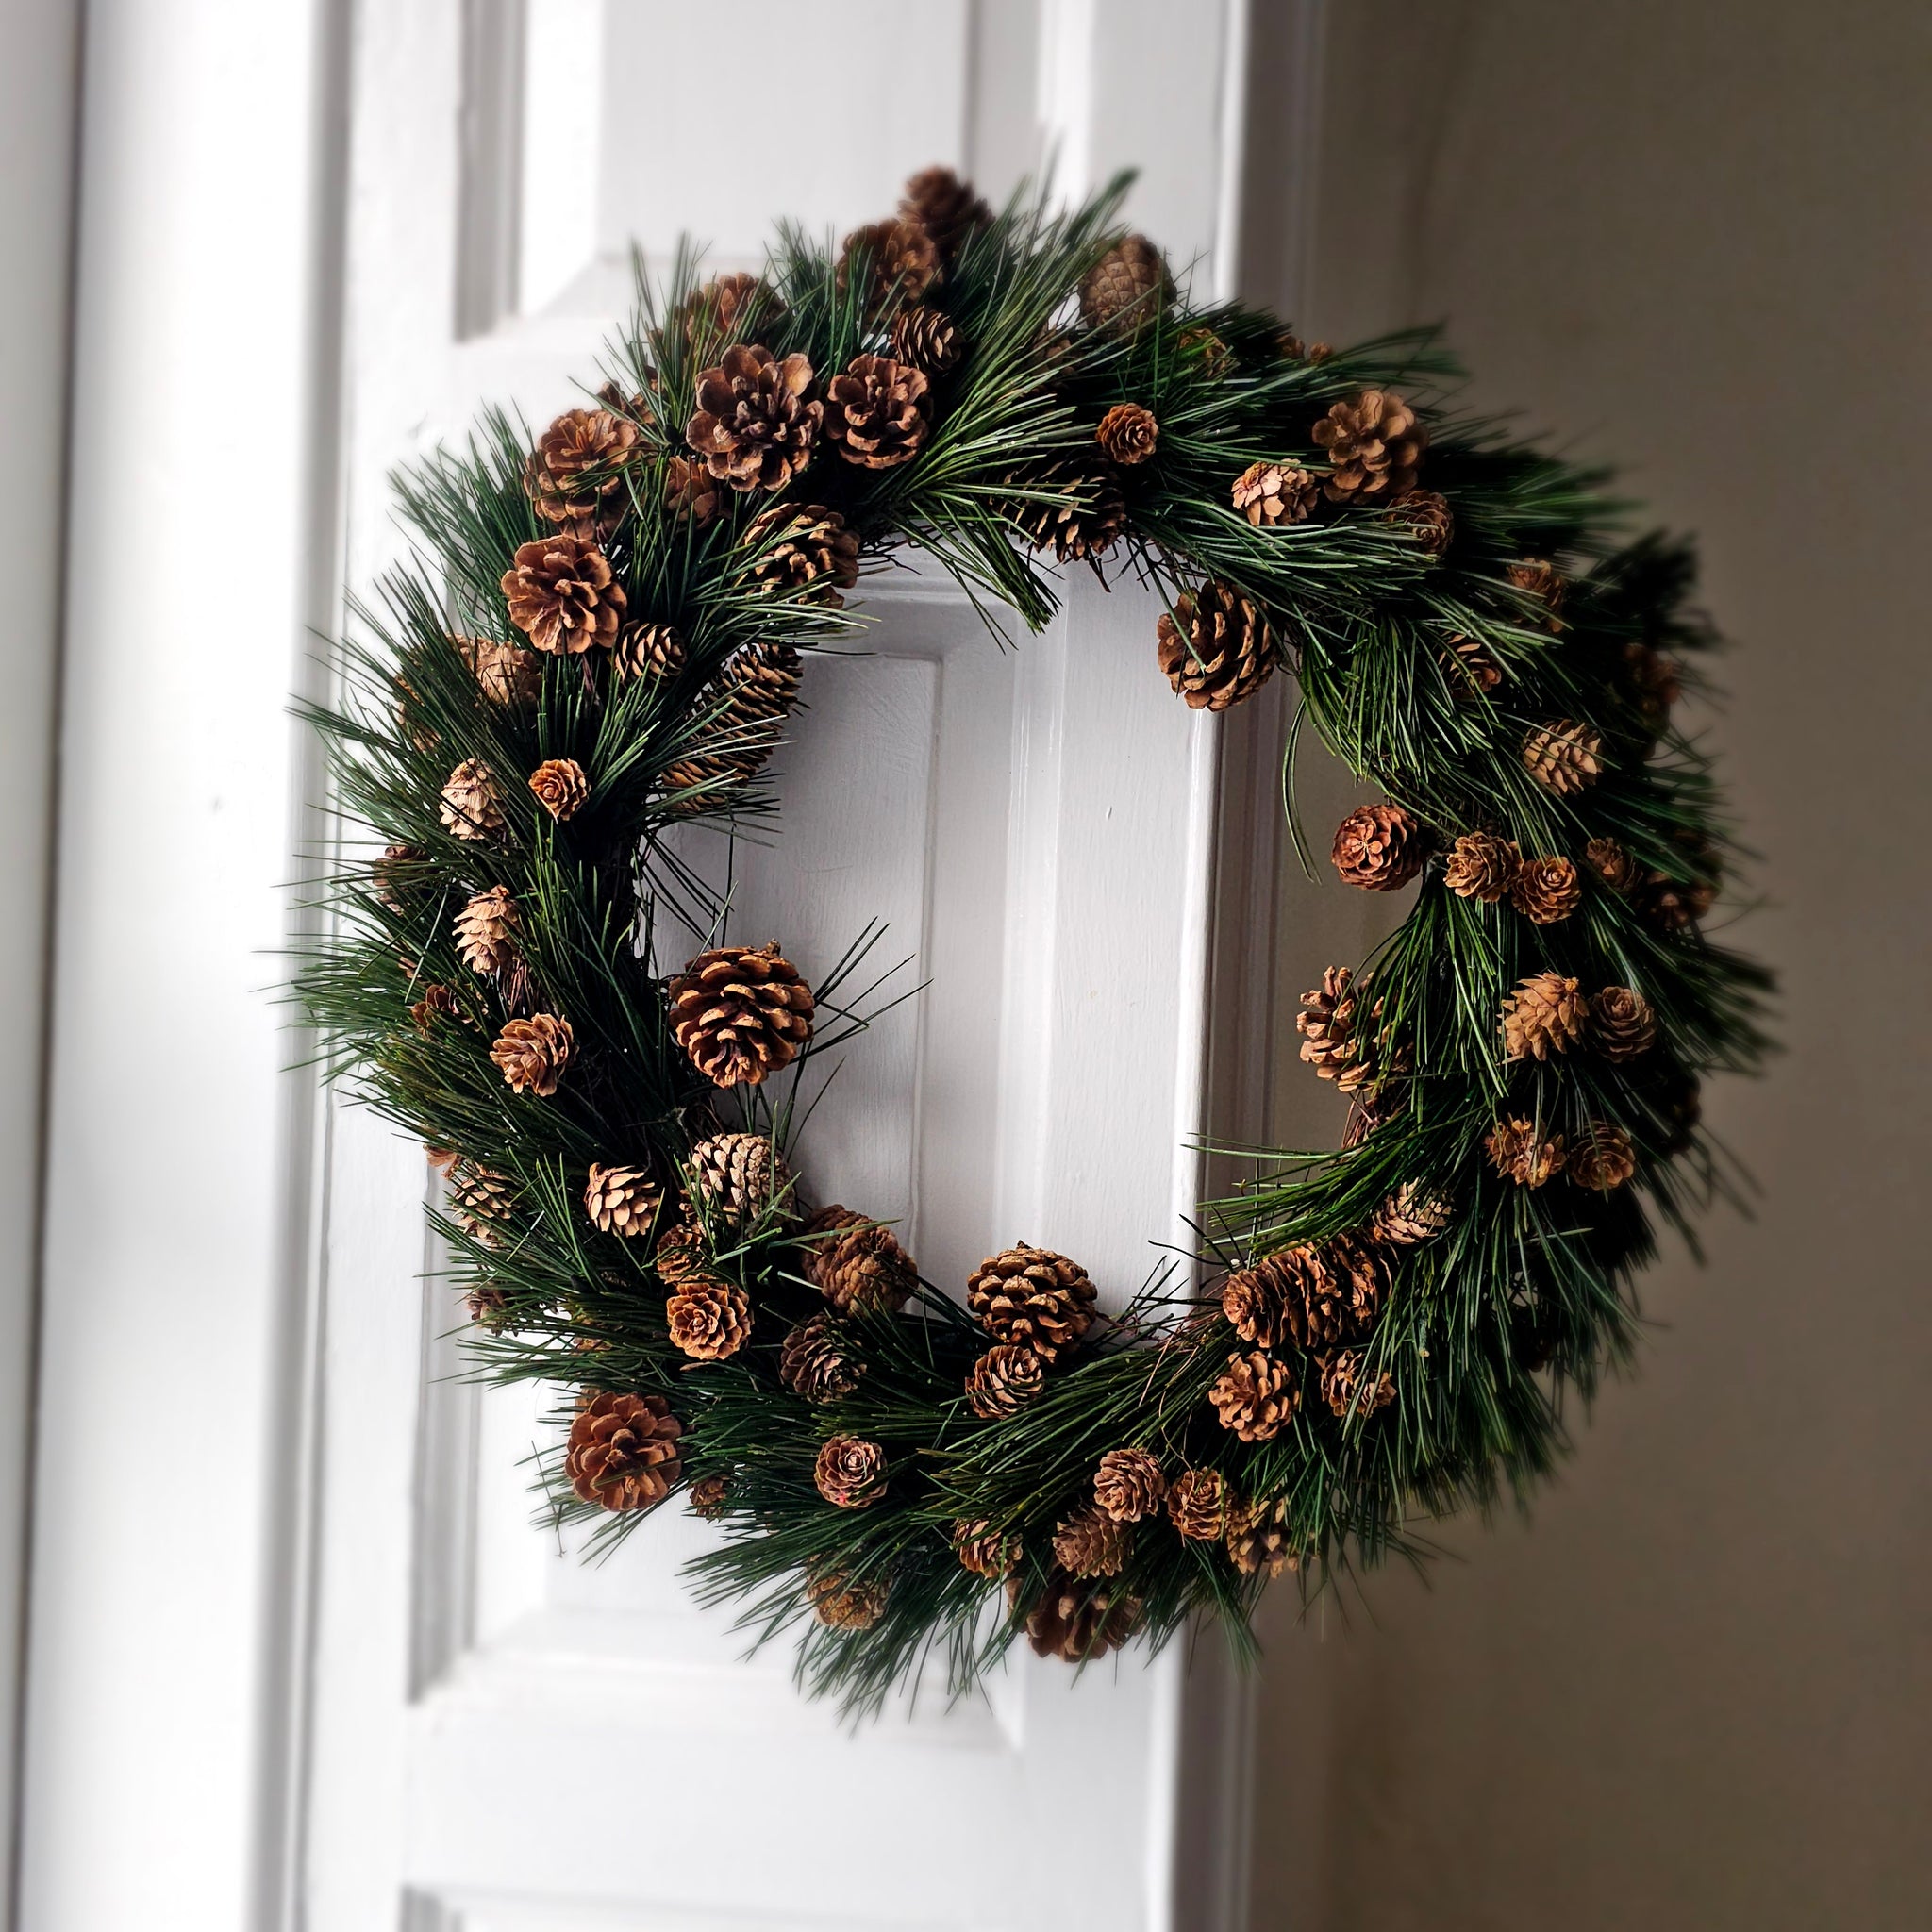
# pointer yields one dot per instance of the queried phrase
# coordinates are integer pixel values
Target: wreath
(597, 642)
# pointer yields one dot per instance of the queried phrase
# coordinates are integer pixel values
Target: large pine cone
(1032, 1298)
(1622, 1024)
(1347, 1388)
(1004, 1380)
(1257, 1539)
(1254, 1396)
(1545, 1016)
(1090, 1544)
(1197, 1504)
(740, 1012)
(623, 1452)
(814, 1361)
(621, 1200)
(1127, 287)
(485, 931)
(926, 339)
(472, 806)
(1271, 493)
(739, 1175)
(1546, 890)
(1075, 1621)
(563, 596)
(1380, 848)
(858, 1265)
(1482, 866)
(756, 420)
(1216, 647)
(1306, 1294)
(876, 412)
(1602, 1158)
(898, 258)
(505, 674)
(1129, 1484)
(1374, 445)
(945, 207)
(1077, 512)
(573, 476)
(985, 1550)
(1563, 758)
(708, 1320)
(532, 1054)
(850, 1472)
(1522, 1153)
(803, 548)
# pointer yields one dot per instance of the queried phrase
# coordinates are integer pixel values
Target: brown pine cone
(1538, 577)
(472, 806)
(505, 674)
(731, 304)
(1410, 1216)
(850, 1472)
(533, 1053)
(399, 875)
(1426, 516)
(1078, 513)
(813, 1361)
(1327, 1024)
(1076, 1620)
(757, 422)
(1294, 350)
(1602, 1158)
(945, 207)
(876, 412)
(560, 786)
(488, 1306)
(1563, 758)
(1216, 647)
(1545, 1016)
(571, 476)
(1677, 903)
(623, 1452)
(1198, 1503)
(648, 650)
(1622, 1024)
(690, 491)
(1217, 359)
(1378, 849)
(985, 1550)
(1654, 682)
(621, 1200)
(1127, 434)
(1254, 1396)
(1299, 1295)
(1090, 1544)
(738, 1176)
(898, 259)
(709, 1320)
(1129, 1485)
(1520, 1154)
(844, 1603)
(926, 338)
(1612, 864)
(858, 1265)
(1271, 493)
(708, 1497)
(1032, 1298)
(806, 548)
(437, 1000)
(1374, 445)
(740, 1012)
(1004, 1380)
(485, 931)
(1482, 866)
(480, 1201)
(1127, 287)
(1258, 1542)
(1546, 890)
(761, 680)
(1345, 1389)
(563, 596)
(1360, 1269)
(1472, 671)
(682, 1255)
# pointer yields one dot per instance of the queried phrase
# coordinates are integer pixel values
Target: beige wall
(1698, 1691)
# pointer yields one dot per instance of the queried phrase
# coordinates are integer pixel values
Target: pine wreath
(599, 640)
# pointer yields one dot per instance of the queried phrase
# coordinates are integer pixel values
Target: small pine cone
(1271, 493)
(1327, 1024)
(1360, 1269)
(690, 491)
(506, 675)
(575, 472)
(1622, 1024)
(1216, 647)
(1676, 905)
(442, 1160)
(480, 1201)
(844, 1602)
(1522, 1155)
(761, 682)
(926, 338)
(1198, 1503)
(1374, 444)
(709, 1320)
(738, 1176)
(1472, 670)
(1412, 1215)
(472, 806)
(1032, 1298)
(682, 1256)
(1482, 866)
(1345, 1389)
(986, 1552)
(803, 548)
(1090, 1544)
(860, 1265)
(1127, 287)
(1217, 359)
(1545, 1016)
(1366, 1113)
(485, 931)
(437, 1000)
(708, 1496)
(945, 207)
(648, 650)
(1378, 849)
(813, 1361)
(1612, 864)
(1127, 434)
(560, 786)
(900, 261)
(623, 1452)
(533, 1053)
(1254, 1396)
(1538, 577)
(740, 1013)
(850, 1472)
(1424, 515)
(1129, 1485)
(1002, 1381)
(1078, 513)
(1602, 1158)
(1546, 890)
(1294, 350)
(1563, 758)
(1076, 1620)
(877, 412)
(1653, 681)
(488, 1306)
(756, 423)
(1258, 1542)
(399, 875)
(621, 1200)
(563, 596)
(738, 304)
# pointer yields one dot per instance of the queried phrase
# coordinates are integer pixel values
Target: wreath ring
(599, 640)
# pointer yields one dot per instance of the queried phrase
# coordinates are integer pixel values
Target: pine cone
(1481, 866)
(1271, 493)
(876, 412)
(740, 1013)
(560, 786)
(480, 1201)
(1254, 1396)
(898, 259)
(1612, 864)
(761, 680)
(1127, 434)
(1520, 1154)
(533, 1053)
(690, 491)
(648, 650)
(1345, 1390)
(1077, 513)
(573, 476)
(506, 675)
(844, 1603)
(1306, 1294)
(985, 1550)
(1257, 1541)
(1654, 683)
(1032, 1298)
(850, 1472)
(1216, 647)
(1472, 670)
(756, 420)
(1003, 1380)
(1426, 516)
(472, 806)
(1294, 350)
(1076, 1620)
(400, 874)
(861, 1266)
(1327, 1026)
(1129, 1485)
(739, 1175)
(1375, 446)
(732, 305)
(1412, 1215)
(1380, 848)
(623, 1452)
(485, 931)
(437, 1000)
(802, 547)
(682, 1256)
(1602, 1158)
(708, 1495)
(1678, 904)
(1546, 890)
(1090, 1544)
(1622, 1024)
(563, 596)
(1217, 359)
(813, 1361)
(1545, 1016)
(945, 207)
(621, 1200)
(1127, 287)
(709, 1320)
(1563, 757)
(488, 1306)
(1539, 578)
(1198, 1503)
(926, 338)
